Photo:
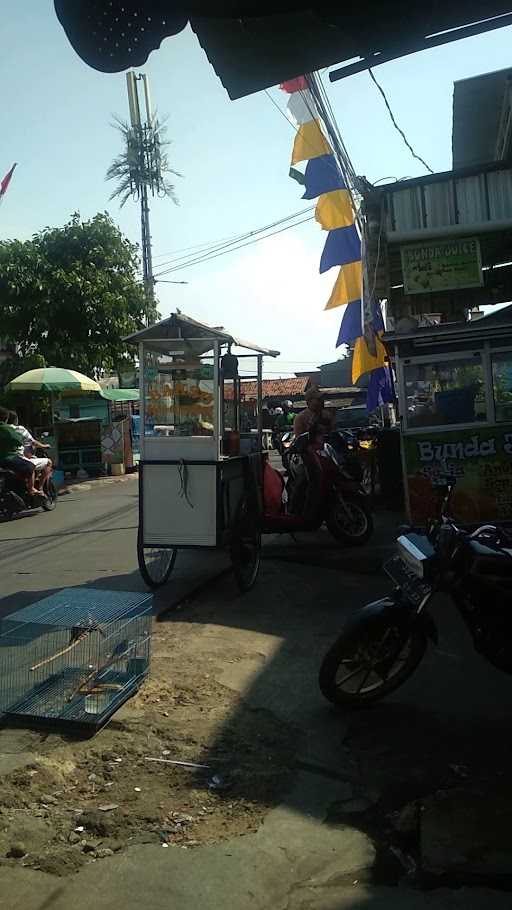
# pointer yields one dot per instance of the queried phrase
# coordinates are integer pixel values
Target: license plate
(414, 588)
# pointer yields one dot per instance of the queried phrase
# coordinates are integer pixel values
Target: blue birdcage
(73, 658)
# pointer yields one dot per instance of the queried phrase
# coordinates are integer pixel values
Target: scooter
(382, 644)
(323, 484)
(14, 497)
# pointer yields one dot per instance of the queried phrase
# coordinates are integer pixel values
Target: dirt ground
(79, 801)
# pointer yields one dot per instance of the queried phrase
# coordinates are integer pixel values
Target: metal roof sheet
(178, 331)
(477, 106)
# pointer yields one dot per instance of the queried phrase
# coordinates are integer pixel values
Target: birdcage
(73, 658)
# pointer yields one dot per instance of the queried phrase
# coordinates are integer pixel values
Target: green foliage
(69, 295)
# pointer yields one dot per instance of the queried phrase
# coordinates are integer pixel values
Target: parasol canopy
(53, 379)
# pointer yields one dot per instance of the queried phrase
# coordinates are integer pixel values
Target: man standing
(11, 443)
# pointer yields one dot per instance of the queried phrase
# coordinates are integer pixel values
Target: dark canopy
(253, 45)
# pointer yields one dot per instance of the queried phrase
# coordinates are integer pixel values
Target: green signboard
(441, 265)
(481, 462)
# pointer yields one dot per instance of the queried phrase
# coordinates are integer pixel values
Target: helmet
(287, 404)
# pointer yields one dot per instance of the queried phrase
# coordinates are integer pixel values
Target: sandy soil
(78, 801)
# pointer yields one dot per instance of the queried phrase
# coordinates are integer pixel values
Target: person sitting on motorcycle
(315, 415)
(11, 453)
(42, 464)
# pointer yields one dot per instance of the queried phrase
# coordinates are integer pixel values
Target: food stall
(454, 384)
(200, 474)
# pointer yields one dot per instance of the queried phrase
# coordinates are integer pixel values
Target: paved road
(90, 539)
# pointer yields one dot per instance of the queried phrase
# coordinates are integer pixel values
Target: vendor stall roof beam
(254, 45)
(180, 328)
(493, 323)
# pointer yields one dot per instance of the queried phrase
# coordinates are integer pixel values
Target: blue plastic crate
(73, 658)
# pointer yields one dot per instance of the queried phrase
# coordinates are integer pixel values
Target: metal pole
(147, 259)
(259, 396)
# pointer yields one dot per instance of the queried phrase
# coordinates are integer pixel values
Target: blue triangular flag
(322, 175)
(342, 246)
(380, 389)
(350, 327)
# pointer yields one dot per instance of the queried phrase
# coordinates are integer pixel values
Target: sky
(55, 121)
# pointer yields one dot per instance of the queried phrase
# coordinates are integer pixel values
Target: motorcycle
(323, 484)
(381, 645)
(14, 497)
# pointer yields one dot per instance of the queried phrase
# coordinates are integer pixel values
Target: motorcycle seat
(490, 561)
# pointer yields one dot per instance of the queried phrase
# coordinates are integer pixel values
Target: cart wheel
(155, 563)
(246, 547)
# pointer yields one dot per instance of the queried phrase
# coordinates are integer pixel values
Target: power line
(215, 246)
(395, 124)
(232, 249)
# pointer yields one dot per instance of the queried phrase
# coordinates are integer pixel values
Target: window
(445, 393)
(502, 385)
(178, 396)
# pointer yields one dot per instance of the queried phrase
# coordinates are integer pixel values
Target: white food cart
(200, 475)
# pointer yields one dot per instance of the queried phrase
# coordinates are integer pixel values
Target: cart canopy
(178, 332)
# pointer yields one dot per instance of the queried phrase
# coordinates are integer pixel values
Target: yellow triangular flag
(348, 286)
(310, 142)
(334, 210)
(363, 361)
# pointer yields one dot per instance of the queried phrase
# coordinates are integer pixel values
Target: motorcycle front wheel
(49, 503)
(351, 522)
(369, 663)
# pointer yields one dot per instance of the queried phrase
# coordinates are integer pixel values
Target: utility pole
(142, 168)
(144, 173)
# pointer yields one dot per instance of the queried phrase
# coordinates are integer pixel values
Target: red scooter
(322, 484)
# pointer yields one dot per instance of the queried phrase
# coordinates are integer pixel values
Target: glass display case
(455, 392)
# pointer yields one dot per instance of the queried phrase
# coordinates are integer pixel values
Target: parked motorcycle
(323, 484)
(382, 644)
(14, 497)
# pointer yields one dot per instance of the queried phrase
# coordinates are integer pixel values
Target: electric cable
(395, 124)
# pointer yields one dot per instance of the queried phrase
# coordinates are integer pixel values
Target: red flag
(299, 84)
(6, 181)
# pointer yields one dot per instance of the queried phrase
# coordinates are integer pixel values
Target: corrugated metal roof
(477, 106)
(449, 199)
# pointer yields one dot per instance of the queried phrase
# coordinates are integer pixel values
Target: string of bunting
(336, 213)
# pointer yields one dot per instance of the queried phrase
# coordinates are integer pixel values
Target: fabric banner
(347, 290)
(334, 210)
(352, 324)
(309, 142)
(302, 108)
(380, 389)
(294, 85)
(322, 175)
(363, 361)
(341, 246)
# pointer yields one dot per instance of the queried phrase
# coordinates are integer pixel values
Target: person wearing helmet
(314, 414)
(283, 417)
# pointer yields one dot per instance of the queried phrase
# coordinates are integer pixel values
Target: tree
(69, 296)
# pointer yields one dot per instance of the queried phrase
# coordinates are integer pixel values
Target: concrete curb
(85, 486)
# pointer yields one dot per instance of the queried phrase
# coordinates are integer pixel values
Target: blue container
(58, 479)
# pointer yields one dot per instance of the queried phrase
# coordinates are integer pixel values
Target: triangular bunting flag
(334, 210)
(341, 246)
(309, 143)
